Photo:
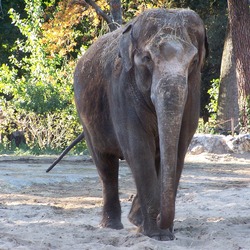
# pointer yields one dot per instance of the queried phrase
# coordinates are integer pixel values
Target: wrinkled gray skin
(137, 92)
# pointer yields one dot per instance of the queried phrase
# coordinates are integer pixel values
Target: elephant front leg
(145, 210)
(146, 204)
(135, 215)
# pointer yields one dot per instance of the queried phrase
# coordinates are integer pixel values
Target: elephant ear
(126, 48)
(206, 45)
(203, 48)
(199, 39)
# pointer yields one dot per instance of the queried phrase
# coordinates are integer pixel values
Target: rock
(239, 144)
(219, 144)
(196, 150)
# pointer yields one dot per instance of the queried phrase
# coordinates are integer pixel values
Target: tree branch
(116, 11)
(98, 10)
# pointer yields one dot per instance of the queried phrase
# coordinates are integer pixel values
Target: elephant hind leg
(108, 172)
(108, 167)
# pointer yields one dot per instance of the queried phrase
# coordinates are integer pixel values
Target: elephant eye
(195, 61)
(146, 59)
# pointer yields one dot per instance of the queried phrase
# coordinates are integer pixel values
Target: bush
(36, 90)
(214, 95)
(210, 126)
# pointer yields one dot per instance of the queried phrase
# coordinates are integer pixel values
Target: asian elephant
(137, 93)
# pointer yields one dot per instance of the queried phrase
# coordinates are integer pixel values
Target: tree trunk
(116, 12)
(228, 107)
(239, 19)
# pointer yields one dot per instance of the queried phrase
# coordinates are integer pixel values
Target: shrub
(39, 88)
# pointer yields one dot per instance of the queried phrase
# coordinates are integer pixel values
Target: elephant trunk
(169, 97)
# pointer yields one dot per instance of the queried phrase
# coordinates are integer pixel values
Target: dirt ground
(62, 209)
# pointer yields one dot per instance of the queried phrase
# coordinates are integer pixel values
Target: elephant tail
(76, 141)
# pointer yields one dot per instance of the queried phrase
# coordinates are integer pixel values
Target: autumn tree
(239, 21)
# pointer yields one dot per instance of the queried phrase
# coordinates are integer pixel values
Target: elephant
(137, 94)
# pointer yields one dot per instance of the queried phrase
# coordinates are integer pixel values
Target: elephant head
(165, 54)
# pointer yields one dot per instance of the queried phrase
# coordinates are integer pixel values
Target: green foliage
(40, 86)
(210, 126)
(206, 128)
(214, 95)
(8, 31)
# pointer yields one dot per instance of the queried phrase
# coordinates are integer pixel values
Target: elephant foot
(148, 228)
(135, 214)
(158, 234)
(135, 218)
(114, 224)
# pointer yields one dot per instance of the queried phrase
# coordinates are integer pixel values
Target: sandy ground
(62, 209)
